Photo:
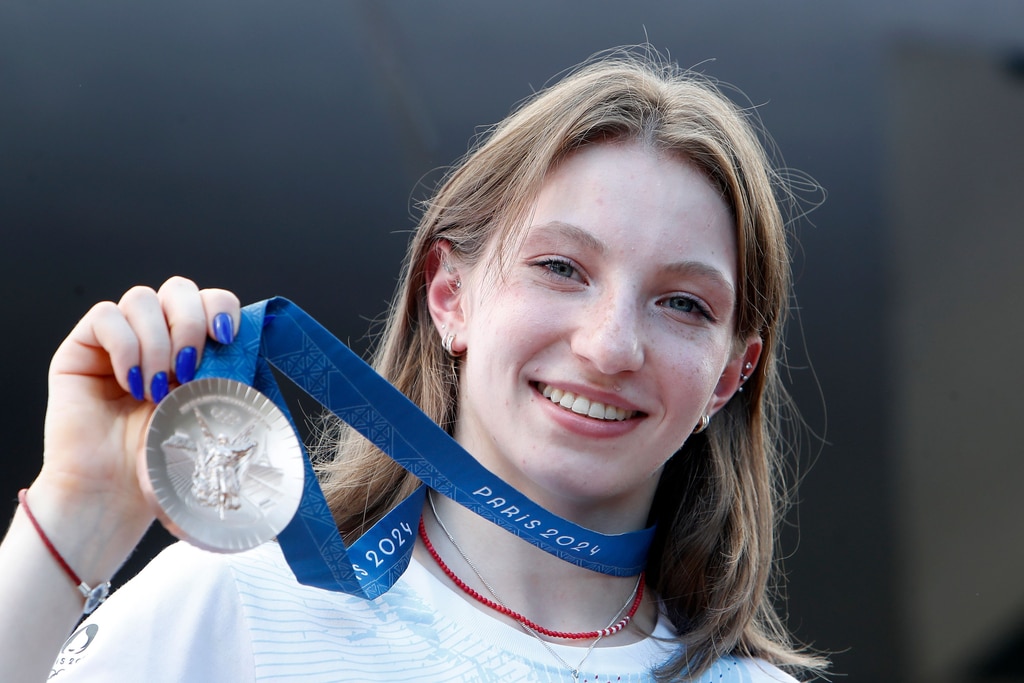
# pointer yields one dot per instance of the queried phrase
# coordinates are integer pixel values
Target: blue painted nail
(158, 387)
(185, 365)
(223, 328)
(135, 383)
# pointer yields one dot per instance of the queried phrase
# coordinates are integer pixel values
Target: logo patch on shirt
(74, 648)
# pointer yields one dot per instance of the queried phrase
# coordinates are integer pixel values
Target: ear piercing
(446, 343)
(448, 269)
(748, 369)
(705, 420)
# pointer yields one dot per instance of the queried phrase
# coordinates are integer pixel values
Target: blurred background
(279, 148)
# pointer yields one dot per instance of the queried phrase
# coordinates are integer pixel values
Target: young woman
(592, 307)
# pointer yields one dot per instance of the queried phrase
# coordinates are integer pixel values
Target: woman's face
(588, 364)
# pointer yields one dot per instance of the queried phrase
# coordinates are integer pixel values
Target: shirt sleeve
(180, 619)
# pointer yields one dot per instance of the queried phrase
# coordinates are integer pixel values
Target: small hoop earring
(446, 343)
(705, 420)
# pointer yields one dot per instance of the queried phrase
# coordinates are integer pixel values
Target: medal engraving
(221, 462)
(223, 465)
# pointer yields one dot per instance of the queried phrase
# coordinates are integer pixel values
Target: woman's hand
(104, 382)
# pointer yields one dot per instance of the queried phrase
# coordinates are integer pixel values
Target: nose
(608, 335)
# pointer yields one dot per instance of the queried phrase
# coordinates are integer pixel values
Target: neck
(543, 588)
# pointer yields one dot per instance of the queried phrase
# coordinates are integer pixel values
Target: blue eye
(559, 267)
(685, 304)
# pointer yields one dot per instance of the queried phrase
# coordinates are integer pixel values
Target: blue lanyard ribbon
(277, 332)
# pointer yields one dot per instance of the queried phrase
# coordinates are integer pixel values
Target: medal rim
(178, 521)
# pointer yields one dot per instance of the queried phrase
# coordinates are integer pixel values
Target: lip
(625, 410)
(578, 426)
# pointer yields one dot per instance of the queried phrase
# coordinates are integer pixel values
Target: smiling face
(609, 335)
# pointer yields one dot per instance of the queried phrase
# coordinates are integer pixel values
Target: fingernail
(223, 328)
(138, 391)
(185, 365)
(158, 387)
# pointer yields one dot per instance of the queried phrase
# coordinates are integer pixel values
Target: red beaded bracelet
(94, 597)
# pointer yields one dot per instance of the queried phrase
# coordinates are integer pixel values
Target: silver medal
(222, 465)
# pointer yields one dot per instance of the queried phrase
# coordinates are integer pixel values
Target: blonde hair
(718, 500)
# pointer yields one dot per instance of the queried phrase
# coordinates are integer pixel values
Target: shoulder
(177, 585)
(745, 670)
(185, 600)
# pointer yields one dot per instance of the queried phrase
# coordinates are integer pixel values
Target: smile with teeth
(583, 405)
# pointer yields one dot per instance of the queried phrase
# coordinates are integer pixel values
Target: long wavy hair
(720, 497)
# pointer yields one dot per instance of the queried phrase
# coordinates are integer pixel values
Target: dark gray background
(279, 147)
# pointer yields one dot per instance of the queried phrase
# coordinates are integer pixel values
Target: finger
(102, 343)
(141, 308)
(223, 314)
(186, 320)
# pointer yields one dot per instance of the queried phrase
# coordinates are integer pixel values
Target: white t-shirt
(197, 616)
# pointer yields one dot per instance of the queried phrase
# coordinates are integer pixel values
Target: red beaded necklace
(498, 607)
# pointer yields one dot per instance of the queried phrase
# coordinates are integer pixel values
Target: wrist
(92, 532)
(94, 595)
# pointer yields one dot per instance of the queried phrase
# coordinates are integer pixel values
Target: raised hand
(104, 382)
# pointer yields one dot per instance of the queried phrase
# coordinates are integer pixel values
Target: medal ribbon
(277, 332)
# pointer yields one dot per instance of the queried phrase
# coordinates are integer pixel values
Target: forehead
(633, 197)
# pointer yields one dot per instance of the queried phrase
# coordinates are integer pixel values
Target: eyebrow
(571, 232)
(574, 233)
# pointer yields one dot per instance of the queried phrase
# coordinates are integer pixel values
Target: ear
(735, 374)
(444, 292)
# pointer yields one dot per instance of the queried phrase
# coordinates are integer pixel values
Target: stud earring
(745, 375)
(449, 269)
(705, 420)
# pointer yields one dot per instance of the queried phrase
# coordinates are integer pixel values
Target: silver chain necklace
(574, 670)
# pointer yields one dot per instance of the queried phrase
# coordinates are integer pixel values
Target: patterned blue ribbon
(277, 332)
